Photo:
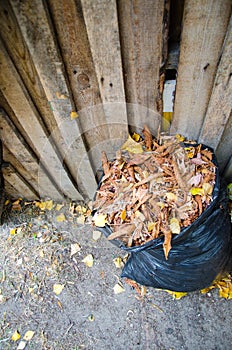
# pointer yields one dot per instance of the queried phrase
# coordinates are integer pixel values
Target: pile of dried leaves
(154, 188)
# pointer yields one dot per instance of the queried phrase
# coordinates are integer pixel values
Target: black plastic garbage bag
(199, 253)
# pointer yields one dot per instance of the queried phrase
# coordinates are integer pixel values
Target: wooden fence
(74, 74)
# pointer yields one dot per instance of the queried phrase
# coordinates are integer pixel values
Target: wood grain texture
(220, 104)
(141, 34)
(204, 30)
(103, 34)
(71, 33)
(18, 98)
(49, 66)
(21, 157)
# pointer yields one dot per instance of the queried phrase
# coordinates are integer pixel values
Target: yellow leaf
(16, 336)
(57, 288)
(49, 205)
(150, 226)
(197, 190)
(61, 96)
(180, 138)
(91, 318)
(73, 115)
(135, 137)
(96, 235)
(59, 206)
(7, 202)
(123, 215)
(132, 146)
(207, 188)
(60, 218)
(118, 262)
(88, 260)
(75, 248)
(118, 289)
(81, 220)
(176, 295)
(100, 220)
(174, 225)
(28, 335)
(224, 293)
(13, 231)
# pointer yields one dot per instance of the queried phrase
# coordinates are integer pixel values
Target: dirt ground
(42, 256)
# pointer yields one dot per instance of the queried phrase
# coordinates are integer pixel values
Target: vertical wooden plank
(204, 28)
(20, 102)
(220, 104)
(49, 66)
(19, 155)
(224, 149)
(141, 34)
(102, 28)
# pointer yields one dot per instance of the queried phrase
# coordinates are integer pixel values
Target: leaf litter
(153, 188)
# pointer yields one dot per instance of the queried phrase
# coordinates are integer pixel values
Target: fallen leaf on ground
(16, 336)
(57, 288)
(28, 335)
(176, 295)
(88, 260)
(118, 262)
(13, 231)
(91, 318)
(174, 225)
(75, 248)
(81, 220)
(59, 206)
(96, 235)
(21, 345)
(61, 218)
(118, 289)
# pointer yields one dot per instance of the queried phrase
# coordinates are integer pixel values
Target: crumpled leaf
(207, 188)
(167, 243)
(118, 289)
(135, 137)
(28, 335)
(172, 197)
(132, 146)
(88, 260)
(60, 218)
(57, 288)
(100, 220)
(174, 225)
(59, 206)
(15, 336)
(125, 230)
(75, 248)
(44, 205)
(91, 318)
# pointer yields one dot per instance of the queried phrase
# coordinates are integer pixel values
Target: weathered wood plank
(49, 66)
(141, 29)
(11, 192)
(102, 28)
(23, 188)
(18, 51)
(21, 157)
(204, 29)
(71, 32)
(224, 149)
(228, 171)
(18, 98)
(220, 104)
